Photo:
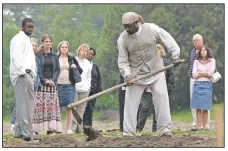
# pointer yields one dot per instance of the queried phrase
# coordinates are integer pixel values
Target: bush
(107, 101)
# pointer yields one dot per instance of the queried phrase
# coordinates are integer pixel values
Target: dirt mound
(52, 141)
(59, 141)
(153, 141)
(139, 141)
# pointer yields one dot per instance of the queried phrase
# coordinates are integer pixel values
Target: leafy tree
(100, 26)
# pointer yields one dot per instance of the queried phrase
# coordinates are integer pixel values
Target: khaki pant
(161, 104)
(80, 109)
(21, 123)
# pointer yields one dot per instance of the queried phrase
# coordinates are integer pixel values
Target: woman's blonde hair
(162, 49)
(59, 46)
(83, 46)
(34, 40)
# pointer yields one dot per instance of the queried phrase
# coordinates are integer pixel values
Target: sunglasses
(129, 26)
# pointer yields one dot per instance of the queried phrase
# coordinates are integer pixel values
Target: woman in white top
(83, 87)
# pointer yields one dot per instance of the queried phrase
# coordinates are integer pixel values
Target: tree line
(100, 26)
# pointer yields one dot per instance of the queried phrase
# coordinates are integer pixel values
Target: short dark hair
(94, 51)
(208, 52)
(26, 20)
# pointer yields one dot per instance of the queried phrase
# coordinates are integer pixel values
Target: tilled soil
(178, 140)
(138, 141)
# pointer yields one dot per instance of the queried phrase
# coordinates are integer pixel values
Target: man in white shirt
(22, 75)
(138, 57)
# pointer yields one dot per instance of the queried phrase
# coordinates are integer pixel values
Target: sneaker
(49, 132)
(21, 136)
(28, 139)
(165, 132)
(206, 129)
(78, 131)
(138, 130)
(127, 134)
(154, 129)
(194, 128)
(52, 134)
(138, 134)
(168, 134)
(69, 132)
(12, 128)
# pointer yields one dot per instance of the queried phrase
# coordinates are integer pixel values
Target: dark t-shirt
(48, 67)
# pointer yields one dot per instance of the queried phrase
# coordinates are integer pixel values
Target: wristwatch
(27, 70)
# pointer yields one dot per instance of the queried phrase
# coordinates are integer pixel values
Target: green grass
(6, 119)
(96, 115)
(183, 116)
(119, 134)
(186, 115)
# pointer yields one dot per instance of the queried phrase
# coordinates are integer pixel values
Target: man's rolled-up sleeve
(167, 39)
(123, 62)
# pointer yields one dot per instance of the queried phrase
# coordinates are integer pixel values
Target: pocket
(69, 88)
(209, 86)
(59, 87)
(30, 75)
(196, 84)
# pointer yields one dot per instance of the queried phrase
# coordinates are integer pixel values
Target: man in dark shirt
(95, 88)
(121, 102)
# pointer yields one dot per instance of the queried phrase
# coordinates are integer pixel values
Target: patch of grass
(6, 119)
(220, 105)
(7, 136)
(182, 132)
(186, 115)
(63, 116)
(76, 135)
(96, 115)
(112, 134)
(183, 116)
(147, 133)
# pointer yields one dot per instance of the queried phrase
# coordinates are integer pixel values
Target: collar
(23, 33)
(208, 60)
(51, 52)
(138, 32)
(194, 49)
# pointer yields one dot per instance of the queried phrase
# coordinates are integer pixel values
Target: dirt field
(179, 140)
(139, 141)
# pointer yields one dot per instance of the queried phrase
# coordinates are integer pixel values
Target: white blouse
(85, 84)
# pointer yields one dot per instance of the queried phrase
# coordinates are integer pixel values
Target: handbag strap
(72, 62)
